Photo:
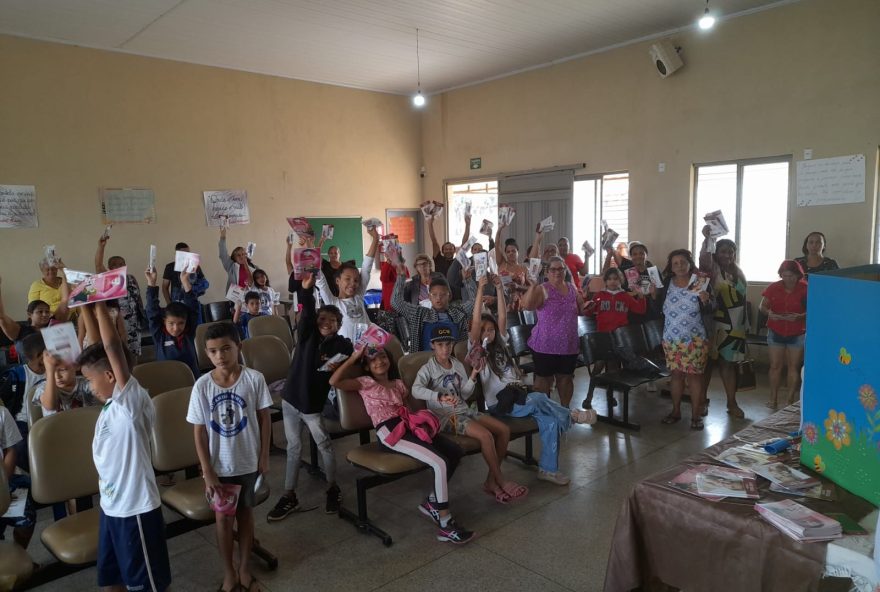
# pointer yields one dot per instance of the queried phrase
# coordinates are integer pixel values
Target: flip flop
(501, 496)
(515, 490)
(697, 424)
(670, 419)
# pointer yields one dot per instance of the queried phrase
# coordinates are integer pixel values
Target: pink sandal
(515, 490)
(501, 496)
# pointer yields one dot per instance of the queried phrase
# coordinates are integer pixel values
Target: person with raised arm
(131, 307)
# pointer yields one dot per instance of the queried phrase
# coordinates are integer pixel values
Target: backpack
(12, 384)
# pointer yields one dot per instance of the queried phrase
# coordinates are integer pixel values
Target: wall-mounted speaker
(665, 58)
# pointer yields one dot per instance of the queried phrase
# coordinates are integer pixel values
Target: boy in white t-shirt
(63, 389)
(229, 409)
(131, 546)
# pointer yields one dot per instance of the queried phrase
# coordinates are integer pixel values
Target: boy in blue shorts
(229, 410)
(132, 553)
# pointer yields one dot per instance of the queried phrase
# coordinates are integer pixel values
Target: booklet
(250, 249)
(608, 237)
(76, 277)
(431, 209)
(225, 499)
(744, 458)
(786, 476)
(726, 482)
(699, 282)
(99, 287)
(106, 234)
(717, 224)
(462, 257)
(477, 354)
(486, 227)
(375, 336)
(654, 274)
(371, 223)
(633, 277)
(302, 227)
(393, 253)
(799, 519)
(467, 209)
(306, 261)
(687, 482)
(506, 214)
(186, 261)
(823, 491)
(535, 269)
(152, 260)
(49, 254)
(327, 231)
(588, 249)
(546, 225)
(61, 342)
(236, 293)
(336, 359)
(481, 264)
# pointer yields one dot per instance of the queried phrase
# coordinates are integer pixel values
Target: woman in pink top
(554, 339)
(384, 395)
(785, 304)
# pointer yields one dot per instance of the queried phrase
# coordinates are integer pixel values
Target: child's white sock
(444, 520)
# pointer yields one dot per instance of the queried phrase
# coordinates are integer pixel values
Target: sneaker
(454, 534)
(557, 477)
(430, 510)
(334, 497)
(285, 507)
(587, 416)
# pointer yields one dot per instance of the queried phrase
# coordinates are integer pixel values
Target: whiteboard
(831, 181)
(18, 206)
(126, 205)
(228, 206)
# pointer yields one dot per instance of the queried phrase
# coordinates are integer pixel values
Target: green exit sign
(476, 163)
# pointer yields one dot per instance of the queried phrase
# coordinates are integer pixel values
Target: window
(753, 196)
(483, 196)
(597, 198)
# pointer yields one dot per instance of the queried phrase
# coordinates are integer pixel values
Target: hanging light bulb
(707, 21)
(418, 98)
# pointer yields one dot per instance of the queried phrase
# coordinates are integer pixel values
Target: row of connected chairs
(384, 466)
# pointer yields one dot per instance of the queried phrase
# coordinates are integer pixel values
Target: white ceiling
(368, 44)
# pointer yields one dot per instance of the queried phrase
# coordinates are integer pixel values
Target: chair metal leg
(361, 520)
(529, 457)
(624, 421)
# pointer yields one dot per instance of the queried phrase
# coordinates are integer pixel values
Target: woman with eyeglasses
(554, 339)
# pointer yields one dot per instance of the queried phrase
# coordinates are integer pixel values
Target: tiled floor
(556, 539)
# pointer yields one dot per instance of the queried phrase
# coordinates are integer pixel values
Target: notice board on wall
(128, 205)
(348, 235)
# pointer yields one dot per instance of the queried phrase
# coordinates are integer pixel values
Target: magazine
(725, 482)
(327, 231)
(467, 209)
(336, 359)
(100, 287)
(375, 336)
(50, 256)
(371, 223)
(699, 282)
(608, 237)
(225, 498)
(534, 269)
(588, 249)
(716, 223)
(302, 227)
(152, 264)
(687, 482)
(486, 227)
(654, 274)
(431, 209)
(481, 264)
(106, 234)
(786, 476)
(477, 354)
(250, 249)
(506, 214)
(546, 225)
(184, 261)
(632, 277)
(744, 458)
(76, 277)
(61, 342)
(236, 293)
(823, 491)
(799, 520)
(305, 261)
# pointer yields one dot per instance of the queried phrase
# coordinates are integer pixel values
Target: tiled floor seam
(521, 566)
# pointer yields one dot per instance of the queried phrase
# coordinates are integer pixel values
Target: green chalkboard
(348, 235)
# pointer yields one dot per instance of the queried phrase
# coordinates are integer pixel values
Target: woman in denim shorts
(785, 304)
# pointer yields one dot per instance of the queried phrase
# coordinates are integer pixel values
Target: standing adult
(172, 290)
(638, 260)
(814, 258)
(416, 290)
(509, 265)
(727, 339)
(238, 266)
(444, 255)
(578, 267)
(331, 265)
(554, 339)
(684, 336)
(785, 304)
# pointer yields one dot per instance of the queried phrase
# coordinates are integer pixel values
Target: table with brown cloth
(665, 538)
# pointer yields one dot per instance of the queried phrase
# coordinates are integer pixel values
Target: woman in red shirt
(785, 304)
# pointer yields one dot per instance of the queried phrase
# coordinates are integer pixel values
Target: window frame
(741, 163)
(598, 257)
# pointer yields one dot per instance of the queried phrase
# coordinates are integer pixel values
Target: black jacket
(306, 388)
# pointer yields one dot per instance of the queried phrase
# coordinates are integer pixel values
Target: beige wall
(75, 119)
(805, 75)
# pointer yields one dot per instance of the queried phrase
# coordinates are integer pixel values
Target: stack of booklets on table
(715, 483)
(799, 522)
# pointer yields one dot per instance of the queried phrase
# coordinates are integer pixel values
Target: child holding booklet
(229, 410)
(242, 318)
(305, 394)
(131, 544)
(38, 315)
(352, 284)
(445, 386)
(174, 328)
(612, 305)
(268, 296)
(385, 398)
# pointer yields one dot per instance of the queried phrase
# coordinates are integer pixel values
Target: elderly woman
(416, 290)
(554, 339)
(785, 304)
(814, 258)
(239, 269)
(684, 336)
(727, 339)
(48, 288)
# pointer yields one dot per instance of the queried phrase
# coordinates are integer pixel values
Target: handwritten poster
(134, 206)
(18, 206)
(831, 181)
(226, 207)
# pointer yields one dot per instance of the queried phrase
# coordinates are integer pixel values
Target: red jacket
(388, 275)
(611, 310)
